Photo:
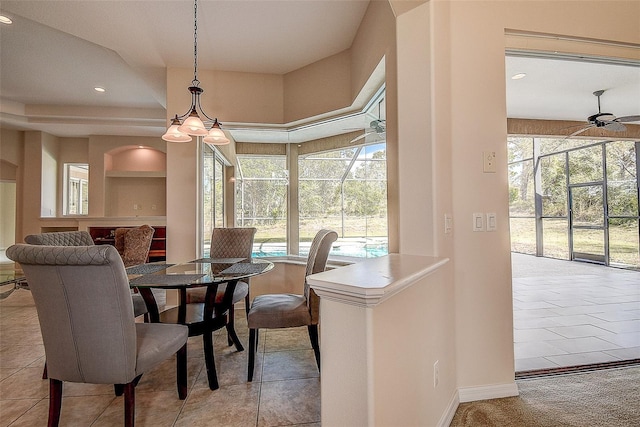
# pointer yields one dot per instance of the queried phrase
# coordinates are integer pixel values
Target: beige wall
(124, 195)
(331, 89)
(48, 202)
(469, 116)
(128, 157)
(7, 213)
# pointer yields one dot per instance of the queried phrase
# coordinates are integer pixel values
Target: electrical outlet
(135, 207)
(489, 162)
(448, 224)
(436, 374)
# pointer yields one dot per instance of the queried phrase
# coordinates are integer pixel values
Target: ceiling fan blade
(580, 131)
(628, 119)
(364, 135)
(615, 126)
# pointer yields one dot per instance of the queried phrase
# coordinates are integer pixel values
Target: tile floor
(285, 390)
(569, 313)
(564, 314)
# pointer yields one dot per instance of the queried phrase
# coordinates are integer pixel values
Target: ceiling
(56, 52)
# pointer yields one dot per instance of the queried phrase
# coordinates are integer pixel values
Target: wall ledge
(371, 281)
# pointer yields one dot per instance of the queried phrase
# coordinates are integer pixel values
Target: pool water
(349, 248)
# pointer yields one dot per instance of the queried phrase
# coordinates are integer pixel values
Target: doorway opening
(575, 253)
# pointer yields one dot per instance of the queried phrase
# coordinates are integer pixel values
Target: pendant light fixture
(190, 124)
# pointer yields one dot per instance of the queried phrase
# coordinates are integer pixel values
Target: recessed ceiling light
(5, 19)
(518, 76)
(99, 89)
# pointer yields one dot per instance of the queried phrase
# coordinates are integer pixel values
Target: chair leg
(130, 404)
(55, 402)
(313, 336)
(119, 388)
(181, 358)
(253, 344)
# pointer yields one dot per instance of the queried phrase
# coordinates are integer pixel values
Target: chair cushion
(279, 311)
(156, 342)
(139, 307)
(197, 295)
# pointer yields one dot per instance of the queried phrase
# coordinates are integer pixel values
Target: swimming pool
(358, 248)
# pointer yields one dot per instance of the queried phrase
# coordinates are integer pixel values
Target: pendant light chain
(195, 81)
(190, 124)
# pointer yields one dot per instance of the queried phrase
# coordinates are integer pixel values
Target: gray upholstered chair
(86, 318)
(80, 238)
(273, 311)
(60, 238)
(229, 243)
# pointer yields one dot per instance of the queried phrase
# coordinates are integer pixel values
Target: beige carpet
(605, 398)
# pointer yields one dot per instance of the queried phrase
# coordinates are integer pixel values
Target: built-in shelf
(157, 252)
(136, 174)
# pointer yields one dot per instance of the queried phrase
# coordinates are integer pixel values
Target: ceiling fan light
(193, 125)
(606, 117)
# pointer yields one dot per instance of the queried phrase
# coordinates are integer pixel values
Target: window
(212, 195)
(76, 189)
(521, 195)
(345, 190)
(579, 201)
(261, 201)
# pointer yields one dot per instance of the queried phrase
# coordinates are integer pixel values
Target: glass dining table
(201, 318)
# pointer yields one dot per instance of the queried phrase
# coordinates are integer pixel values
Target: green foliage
(583, 159)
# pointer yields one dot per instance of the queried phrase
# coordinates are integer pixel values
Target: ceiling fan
(606, 120)
(377, 127)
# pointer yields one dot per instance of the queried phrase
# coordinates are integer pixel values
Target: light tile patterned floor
(569, 313)
(285, 389)
(564, 314)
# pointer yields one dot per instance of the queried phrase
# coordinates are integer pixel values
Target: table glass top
(196, 273)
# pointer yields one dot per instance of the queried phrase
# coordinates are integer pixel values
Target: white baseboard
(471, 394)
(447, 416)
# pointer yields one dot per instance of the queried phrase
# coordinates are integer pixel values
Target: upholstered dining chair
(229, 243)
(86, 318)
(77, 238)
(133, 244)
(272, 311)
(60, 238)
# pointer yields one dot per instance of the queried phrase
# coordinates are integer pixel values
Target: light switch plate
(491, 221)
(478, 222)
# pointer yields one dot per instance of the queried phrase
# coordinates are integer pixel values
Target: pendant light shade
(193, 125)
(173, 134)
(195, 121)
(216, 136)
